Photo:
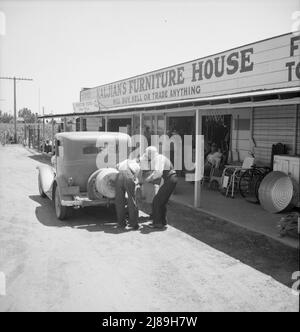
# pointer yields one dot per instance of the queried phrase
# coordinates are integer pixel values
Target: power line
(16, 78)
(15, 98)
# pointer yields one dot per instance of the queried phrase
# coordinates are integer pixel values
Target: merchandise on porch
(289, 225)
(276, 192)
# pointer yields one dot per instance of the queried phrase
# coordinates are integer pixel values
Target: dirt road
(86, 264)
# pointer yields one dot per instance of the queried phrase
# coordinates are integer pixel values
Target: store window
(160, 125)
(120, 125)
(84, 128)
(78, 124)
(181, 125)
(136, 125)
(101, 124)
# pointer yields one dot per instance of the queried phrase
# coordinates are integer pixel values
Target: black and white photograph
(149, 159)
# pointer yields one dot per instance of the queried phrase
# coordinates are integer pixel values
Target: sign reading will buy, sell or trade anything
(86, 106)
(267, 64)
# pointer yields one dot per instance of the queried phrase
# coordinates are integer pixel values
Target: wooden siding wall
(240, 140)
(92, 124)
(298, 131)
(271, 125)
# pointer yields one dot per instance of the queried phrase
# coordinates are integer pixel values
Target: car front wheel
(60, 210)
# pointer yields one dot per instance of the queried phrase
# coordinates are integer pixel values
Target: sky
(67, 45)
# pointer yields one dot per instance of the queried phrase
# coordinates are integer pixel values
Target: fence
(39, 136)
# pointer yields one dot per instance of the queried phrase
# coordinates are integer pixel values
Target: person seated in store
(213, 159)
(147, 134)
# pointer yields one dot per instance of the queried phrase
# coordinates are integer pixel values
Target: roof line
(185, 62)
(183, 101)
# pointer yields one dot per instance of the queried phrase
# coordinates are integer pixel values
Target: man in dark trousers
(126, 183)
(161, 167)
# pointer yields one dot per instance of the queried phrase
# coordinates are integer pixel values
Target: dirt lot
(198, 264)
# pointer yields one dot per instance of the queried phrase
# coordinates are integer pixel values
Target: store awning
(227, 98)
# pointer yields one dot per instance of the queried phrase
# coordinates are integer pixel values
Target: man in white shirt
(126, 183)
(161, 168)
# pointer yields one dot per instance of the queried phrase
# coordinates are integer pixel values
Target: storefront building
(244, 100)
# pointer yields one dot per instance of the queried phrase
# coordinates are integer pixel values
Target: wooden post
(81, 124)
(34, 136)
(38, 137)
(15, 112)
(165, 124)
(25, 133)
(141, 133)
(155, 124)
(43, 124)
(106, 123)
(199, 160)
(29, 136)
(296, 137)
(65, 124)
(52, 135)
(132, 126)
(237, 136)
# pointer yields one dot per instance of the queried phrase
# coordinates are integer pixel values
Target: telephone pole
(15, 79)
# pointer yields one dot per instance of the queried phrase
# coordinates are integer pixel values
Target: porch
(238, 211)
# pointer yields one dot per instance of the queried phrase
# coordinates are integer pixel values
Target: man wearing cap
(126, 183)
(161, 167)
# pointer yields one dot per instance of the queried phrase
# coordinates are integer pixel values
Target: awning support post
(52, 132)
(199, 160)
(81, 124)
(141, 133)
(106, 123)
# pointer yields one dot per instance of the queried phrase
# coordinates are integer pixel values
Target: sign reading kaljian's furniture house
(268, 64)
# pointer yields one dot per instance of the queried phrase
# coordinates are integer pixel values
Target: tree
(5, 117)
(27, 115)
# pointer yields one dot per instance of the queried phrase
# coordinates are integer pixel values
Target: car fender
(47, 176)
(65, 191)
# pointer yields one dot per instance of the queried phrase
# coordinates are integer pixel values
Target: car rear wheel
(42, 194)
(60, 210)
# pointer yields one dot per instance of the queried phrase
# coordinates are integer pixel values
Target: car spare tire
(105, 182)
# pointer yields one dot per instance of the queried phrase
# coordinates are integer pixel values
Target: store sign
(86, 106)
(272, 63)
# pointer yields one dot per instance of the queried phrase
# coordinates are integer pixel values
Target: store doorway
(120, 125)
(216, 130)
(181, 125)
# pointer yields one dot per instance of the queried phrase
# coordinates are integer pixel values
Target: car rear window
(91, 149)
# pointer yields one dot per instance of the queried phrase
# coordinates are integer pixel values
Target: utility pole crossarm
(16, 78)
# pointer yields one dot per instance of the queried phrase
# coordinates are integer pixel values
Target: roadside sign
(86, 106)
